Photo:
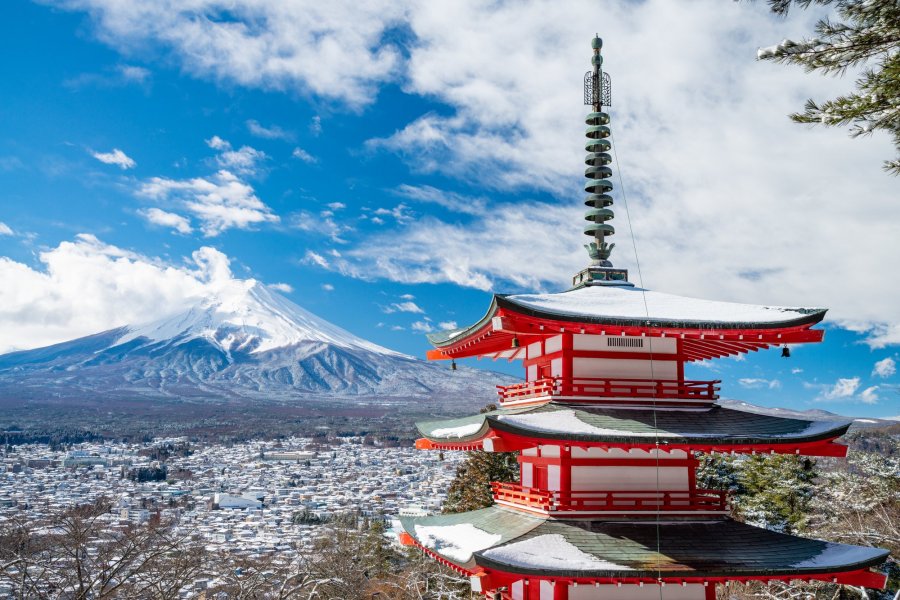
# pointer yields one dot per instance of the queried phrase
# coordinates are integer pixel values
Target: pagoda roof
(507, 541)
(714, 427)
(615, 309)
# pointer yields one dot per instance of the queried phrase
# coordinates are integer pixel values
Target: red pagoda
(607, 429)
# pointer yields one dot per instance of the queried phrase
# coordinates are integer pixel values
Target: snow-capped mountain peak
(246, 316)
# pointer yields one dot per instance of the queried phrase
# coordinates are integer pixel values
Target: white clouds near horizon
(5, 229)
(86, 286)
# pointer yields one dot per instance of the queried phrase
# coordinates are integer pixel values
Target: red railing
(596, 387)
(626, 501)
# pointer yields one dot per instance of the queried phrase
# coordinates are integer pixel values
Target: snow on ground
(628, 302)
(550, 551)
(456, 542)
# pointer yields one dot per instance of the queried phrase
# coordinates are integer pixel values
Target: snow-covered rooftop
(620, 302)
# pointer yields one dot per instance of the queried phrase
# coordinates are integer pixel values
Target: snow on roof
(456, 542)
(566, 421)
(549, 551)
(457, 432)
(629, 303)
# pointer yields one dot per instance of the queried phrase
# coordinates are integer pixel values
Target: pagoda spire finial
(598, 173)
(598, 159)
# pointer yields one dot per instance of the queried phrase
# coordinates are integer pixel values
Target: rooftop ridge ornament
(597, 93)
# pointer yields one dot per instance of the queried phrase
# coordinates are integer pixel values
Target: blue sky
(387, 166)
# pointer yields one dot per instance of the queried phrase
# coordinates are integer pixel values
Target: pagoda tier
(694, 329)
(710, 429)
(531, 557)
(606, 428)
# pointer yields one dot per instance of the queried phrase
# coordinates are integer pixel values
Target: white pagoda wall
(630, 478)
(613, 368)
(656, 345)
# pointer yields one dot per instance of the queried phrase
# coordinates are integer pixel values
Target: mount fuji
(241, 341)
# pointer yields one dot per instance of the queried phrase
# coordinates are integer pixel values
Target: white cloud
(337, 205)
(796, 371)
(869, 395)
(327, 287)
(5, 229)
(843, 388)
(221, 201)
(282, 287)
(323, 224)
(407, 297)
(499, 246)
(447, 325)
(885, 368)
(244, 161)
(422, 327)
(458, 203)
(316, 258)
(756, 383)
(315, 126)
(301, 154)
(332, 49)
(116, 157)
(86, 286)
(407, 307)
(167, 219)
(273, 132)
(133, 74)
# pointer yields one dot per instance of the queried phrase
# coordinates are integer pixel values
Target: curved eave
(445, 338)
(825, 572)
(471, 433)
(675, 441)
(703, 339)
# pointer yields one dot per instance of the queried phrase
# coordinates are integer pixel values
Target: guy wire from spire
(637, 263)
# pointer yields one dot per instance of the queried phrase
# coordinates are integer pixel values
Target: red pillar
(711, 591)
(565, 469)
(561, 591)
(567, 360)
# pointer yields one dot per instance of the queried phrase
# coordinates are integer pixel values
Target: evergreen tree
(770, 491)
(471, 487)
(868, 33)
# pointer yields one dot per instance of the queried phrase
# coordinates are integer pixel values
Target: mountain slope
(243, 342)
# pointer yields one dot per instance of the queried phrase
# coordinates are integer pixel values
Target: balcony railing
(589, 388)
(617, 501)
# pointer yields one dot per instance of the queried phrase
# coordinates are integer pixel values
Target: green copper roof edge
(441, 338)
